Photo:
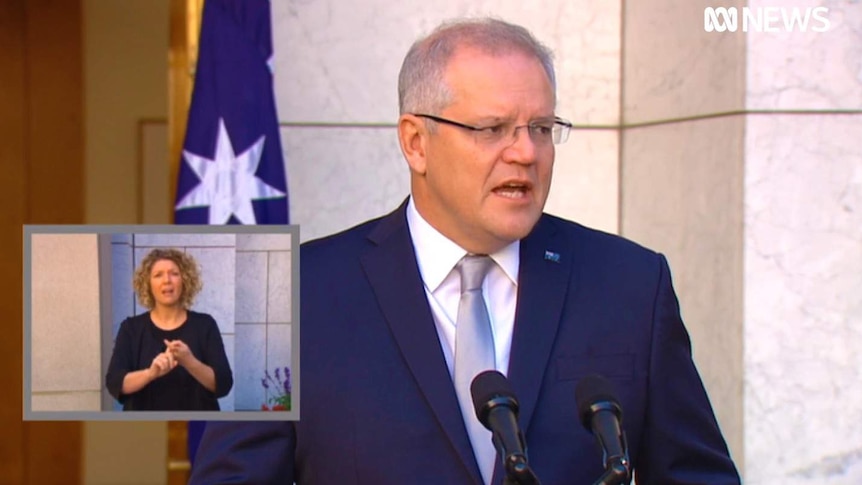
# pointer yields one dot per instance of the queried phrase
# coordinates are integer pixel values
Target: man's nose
(522, 148)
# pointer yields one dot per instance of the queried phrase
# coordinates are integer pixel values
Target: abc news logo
(766, 19)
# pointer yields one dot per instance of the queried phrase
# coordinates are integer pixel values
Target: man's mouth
(513, 190)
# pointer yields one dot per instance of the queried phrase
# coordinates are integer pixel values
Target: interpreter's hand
(180, 351)
(162, 364)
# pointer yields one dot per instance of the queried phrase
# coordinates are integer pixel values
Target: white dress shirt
(437, 256)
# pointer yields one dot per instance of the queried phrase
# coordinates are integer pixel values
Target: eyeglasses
(545, 132)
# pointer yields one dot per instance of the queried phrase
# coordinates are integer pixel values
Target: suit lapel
(544, 279)
(392, 270)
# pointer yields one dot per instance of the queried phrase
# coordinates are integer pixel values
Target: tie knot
(473, 269)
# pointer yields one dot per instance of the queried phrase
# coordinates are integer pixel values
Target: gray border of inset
(292, 415)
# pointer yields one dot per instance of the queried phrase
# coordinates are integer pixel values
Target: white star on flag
(228, 183)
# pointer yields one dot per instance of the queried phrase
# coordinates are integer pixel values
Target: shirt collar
(437, 254)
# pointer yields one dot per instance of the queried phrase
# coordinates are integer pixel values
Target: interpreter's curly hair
(189, 271)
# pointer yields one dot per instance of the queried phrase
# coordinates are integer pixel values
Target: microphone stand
(518, 472)
(617, 467)
(616, 472)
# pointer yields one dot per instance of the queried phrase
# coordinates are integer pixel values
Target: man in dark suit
(382, 306)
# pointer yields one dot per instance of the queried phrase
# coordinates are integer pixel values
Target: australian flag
(232, 168)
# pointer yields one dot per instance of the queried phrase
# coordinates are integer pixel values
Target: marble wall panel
(803, 313)
(340, 177)
(807, 69)
(218, 296)
(585, 184)
(338, 62)
(180, 240)
(278, 356)
(122, 292)
(278, 291)
(251, 271)
(263, 242)
(228, 402)
(138, 255)
(673, 68)
(682, 189)
(278, 350)
(249, 362)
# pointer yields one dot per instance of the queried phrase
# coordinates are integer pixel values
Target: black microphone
(600, 412)
(497, 409)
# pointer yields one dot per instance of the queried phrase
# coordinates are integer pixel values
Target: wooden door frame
(42, 155)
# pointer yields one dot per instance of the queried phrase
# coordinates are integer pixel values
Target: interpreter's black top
(140, 340)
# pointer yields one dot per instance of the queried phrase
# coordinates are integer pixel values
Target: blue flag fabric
(232, 168)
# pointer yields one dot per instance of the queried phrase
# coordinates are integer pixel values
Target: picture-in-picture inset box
(161, 323)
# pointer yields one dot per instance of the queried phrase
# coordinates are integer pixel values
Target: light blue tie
(474, 353)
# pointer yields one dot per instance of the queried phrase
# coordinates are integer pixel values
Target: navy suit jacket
(378, 405)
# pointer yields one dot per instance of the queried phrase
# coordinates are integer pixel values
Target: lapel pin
(552, 256)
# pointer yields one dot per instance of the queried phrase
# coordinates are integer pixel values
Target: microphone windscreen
(590, 391)
(486, 386)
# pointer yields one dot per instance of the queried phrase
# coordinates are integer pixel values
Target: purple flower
(287, 385)
(277, 392)
(278, 385)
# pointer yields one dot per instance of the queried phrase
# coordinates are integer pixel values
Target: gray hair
(421, 84)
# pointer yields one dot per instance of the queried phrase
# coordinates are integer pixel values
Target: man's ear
(413, 137)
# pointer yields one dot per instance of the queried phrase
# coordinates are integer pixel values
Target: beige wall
(66, 361)
(126, 83)
(118, 453)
